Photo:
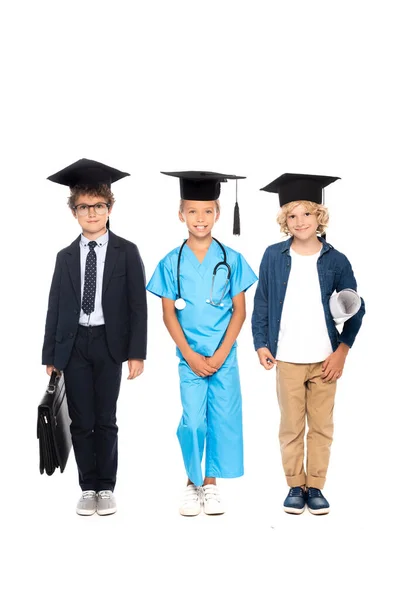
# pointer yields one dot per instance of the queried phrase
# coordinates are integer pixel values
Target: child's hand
(199, 365)
(266, 358)
(333, 366)
(50, 369)
(135, 367)
(216, 360)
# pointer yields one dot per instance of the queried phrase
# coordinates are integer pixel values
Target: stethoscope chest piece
(180, 304)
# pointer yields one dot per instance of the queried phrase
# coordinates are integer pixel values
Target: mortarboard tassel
(236, 216)
(323, 235)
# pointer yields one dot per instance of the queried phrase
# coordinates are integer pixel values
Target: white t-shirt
(303, 335)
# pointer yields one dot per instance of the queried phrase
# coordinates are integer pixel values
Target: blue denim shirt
(334, 272)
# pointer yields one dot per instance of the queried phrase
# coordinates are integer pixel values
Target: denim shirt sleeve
(352, 326)
(259, 319)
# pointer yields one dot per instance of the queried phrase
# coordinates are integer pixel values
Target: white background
(252, 88)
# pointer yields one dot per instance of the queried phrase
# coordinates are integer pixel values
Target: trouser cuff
(296, 480)
(315, 482)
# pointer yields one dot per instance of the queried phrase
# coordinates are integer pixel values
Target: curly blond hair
(320, 210)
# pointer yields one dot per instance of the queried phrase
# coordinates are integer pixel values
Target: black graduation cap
(87, 172)
(295, 186)
(205, 185)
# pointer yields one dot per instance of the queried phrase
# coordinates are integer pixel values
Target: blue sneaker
(295, 502)
(316, 502)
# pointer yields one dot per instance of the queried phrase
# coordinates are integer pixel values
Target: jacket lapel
(73, 258)
(111, 259)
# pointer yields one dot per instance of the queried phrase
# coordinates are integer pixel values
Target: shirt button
(284, 283)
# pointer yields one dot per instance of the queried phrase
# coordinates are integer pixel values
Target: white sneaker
(191, 504)
(212, 500)
(106, 503)
(87, 503)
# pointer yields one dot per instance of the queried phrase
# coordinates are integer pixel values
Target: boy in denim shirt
(294, 330)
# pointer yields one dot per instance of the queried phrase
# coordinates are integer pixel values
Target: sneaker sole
(106, 511)
(214, 514)
(319, 511)
(189, 513)
(85, 513)
(294, 511)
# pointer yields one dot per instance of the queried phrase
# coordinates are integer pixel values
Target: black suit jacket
(123, 302)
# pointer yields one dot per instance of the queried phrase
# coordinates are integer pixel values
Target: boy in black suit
(96, 320)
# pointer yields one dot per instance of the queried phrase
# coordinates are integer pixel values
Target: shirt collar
(325, 245)
(101, 241)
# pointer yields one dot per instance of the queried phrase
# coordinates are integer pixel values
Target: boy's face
(88, 218)
(199, 216)
(302, 224)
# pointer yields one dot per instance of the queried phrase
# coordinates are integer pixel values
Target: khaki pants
(301, 392)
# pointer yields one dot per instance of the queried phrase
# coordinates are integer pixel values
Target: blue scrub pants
(212, 418)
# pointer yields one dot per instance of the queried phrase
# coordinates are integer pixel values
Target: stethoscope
(180, 303)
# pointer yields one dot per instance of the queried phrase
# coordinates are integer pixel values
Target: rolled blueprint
(343, 305)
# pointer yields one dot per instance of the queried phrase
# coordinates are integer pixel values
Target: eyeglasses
(83, 209)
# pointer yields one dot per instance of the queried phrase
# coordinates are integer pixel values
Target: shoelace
(88, 494)
(314, 493)
(105, 494)
(296, 491)
(211, 493)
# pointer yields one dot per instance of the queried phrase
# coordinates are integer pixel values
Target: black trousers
(92, 381)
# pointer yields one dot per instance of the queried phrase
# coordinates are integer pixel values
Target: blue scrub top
(204, 325)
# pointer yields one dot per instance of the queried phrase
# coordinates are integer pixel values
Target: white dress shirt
(96, 317)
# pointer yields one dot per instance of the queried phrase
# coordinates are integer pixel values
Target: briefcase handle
(51, 388)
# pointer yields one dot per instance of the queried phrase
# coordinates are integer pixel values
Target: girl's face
(302, 224)
(199, 216)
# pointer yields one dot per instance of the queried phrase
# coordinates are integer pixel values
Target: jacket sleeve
(259, 319)
(52, 316)
(352, 326)
(137, 304)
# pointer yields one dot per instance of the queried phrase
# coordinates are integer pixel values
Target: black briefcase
(53, 427)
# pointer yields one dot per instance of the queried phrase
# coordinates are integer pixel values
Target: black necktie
(89, 287)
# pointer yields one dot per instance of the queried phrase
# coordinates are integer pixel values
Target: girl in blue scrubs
(202, 285)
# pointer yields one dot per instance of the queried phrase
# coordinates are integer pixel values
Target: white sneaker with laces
(87, 503)
(191, 504)
(212, 500)
(106, 503)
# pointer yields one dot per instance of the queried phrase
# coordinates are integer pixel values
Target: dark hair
(102, 190)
